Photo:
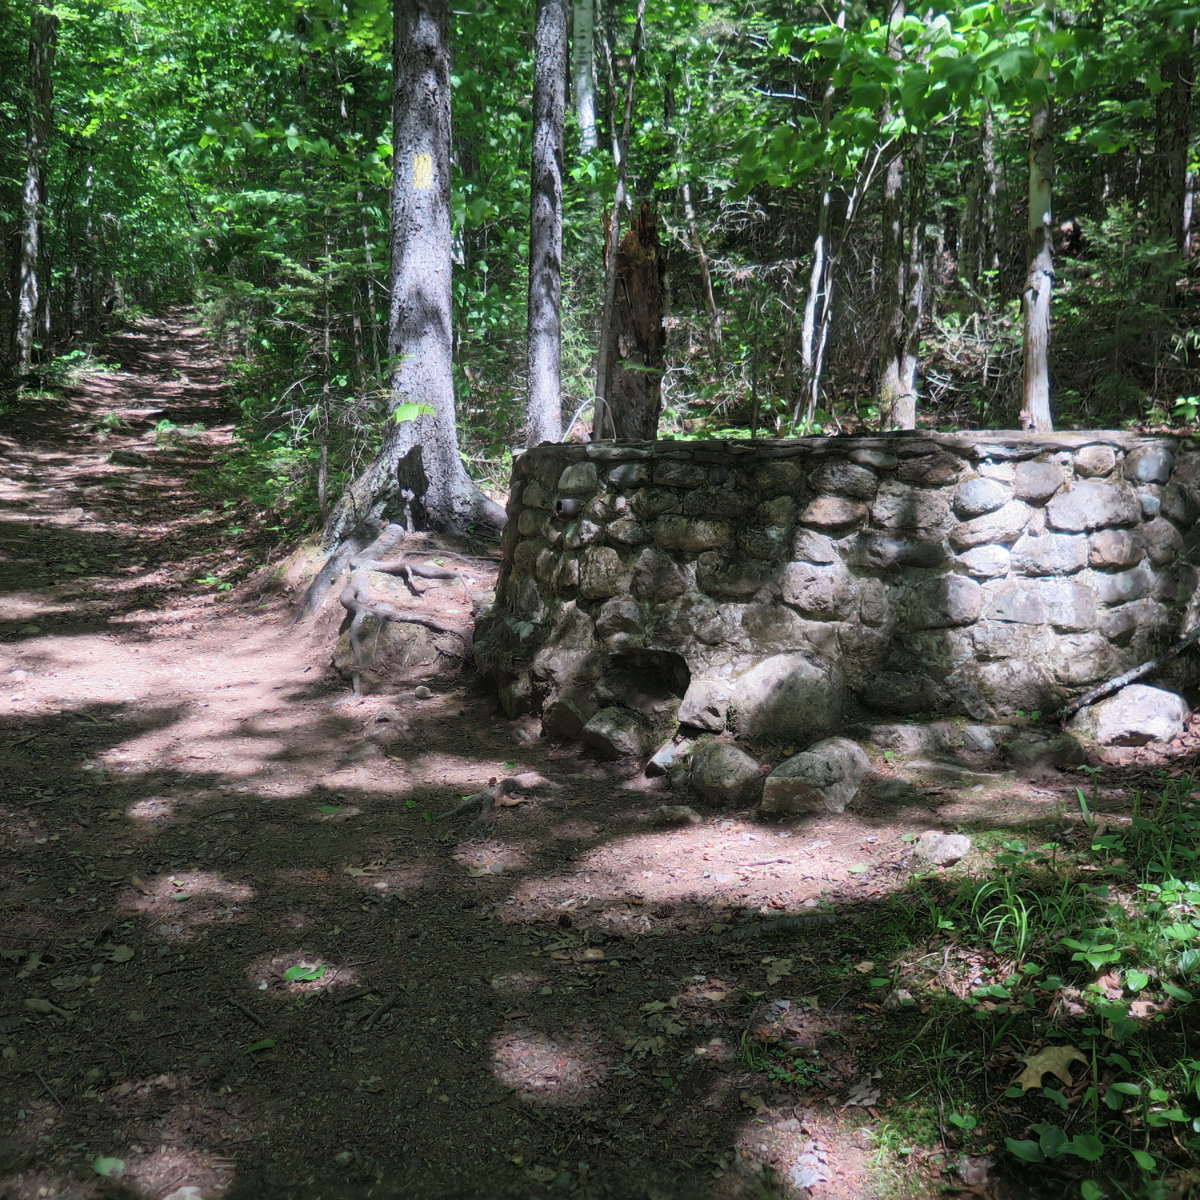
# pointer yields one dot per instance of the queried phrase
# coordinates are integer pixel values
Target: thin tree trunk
(602, 422)
(43, 38)
(637, 343)
(583, 72)
(904, 288)
(820, 280)
(1039, 282)
(1172, 137)
(418, 473)
(989, 241)
(543, 413)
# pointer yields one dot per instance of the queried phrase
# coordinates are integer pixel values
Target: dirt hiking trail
(243, 958)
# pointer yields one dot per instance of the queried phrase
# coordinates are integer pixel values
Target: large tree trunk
(43, 37)
(1039, 282)
(418, 474)
(583, 72)
(637, 347)
(543, 413)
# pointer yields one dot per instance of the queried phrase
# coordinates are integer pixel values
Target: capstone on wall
(783, 589)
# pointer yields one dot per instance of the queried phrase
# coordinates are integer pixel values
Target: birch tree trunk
(820, 282)
(543, 412)
(418, 475)
(1039, 282)
(583, 72)
(43, 38)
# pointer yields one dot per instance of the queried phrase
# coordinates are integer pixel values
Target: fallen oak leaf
(1055, 1059)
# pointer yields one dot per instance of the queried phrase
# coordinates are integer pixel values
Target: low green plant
(1080, 956)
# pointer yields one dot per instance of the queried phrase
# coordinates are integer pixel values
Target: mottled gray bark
(903, 261)
(1039, 282)
(543, 413)
(418, 474)
(583, 71)
(43, 38)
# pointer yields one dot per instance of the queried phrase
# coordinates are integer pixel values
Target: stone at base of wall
(825, 778)
(1136, 715)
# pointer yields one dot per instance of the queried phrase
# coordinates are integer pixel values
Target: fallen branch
(1115, 684)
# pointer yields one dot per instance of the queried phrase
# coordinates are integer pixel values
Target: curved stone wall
(785, 588)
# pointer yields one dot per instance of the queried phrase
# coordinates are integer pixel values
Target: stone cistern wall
(783, 589)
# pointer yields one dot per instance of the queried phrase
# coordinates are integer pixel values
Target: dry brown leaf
(1053, 1059)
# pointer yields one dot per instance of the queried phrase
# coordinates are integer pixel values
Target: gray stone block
(615, 733)
(1136, 715)
(1108, 548)
(1092, 461)
(724, 774)
(976, 496)
(834, 513)
(813, 547)
(705, 705)
(787, 696)
(578, 478)
(657, 577)
(986, 562)
(931, 470)
(845, 479)
(1149, 464)
(1050, 554)
(1001, 527)
(936, 849)
(901, 506)
(825, 778)
(716, 575)
(690, 534)
(1092, 504)
(818, 591)
(1037, 481)
(1162, 540)
(1123, 586)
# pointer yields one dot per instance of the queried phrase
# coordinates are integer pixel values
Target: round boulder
(825, 778)
(722, 773)
(1137, 714)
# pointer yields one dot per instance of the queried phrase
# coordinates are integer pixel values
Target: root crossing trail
(242, 955)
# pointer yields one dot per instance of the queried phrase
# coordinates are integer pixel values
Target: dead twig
(1115, 684)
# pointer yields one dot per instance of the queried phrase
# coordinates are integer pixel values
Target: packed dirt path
(244, 956)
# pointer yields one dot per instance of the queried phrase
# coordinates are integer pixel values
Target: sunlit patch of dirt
(185, 903)
(561, 1069)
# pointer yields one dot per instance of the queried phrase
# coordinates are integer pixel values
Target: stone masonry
(782, 589)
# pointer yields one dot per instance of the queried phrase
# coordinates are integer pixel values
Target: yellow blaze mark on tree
(422, 171)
